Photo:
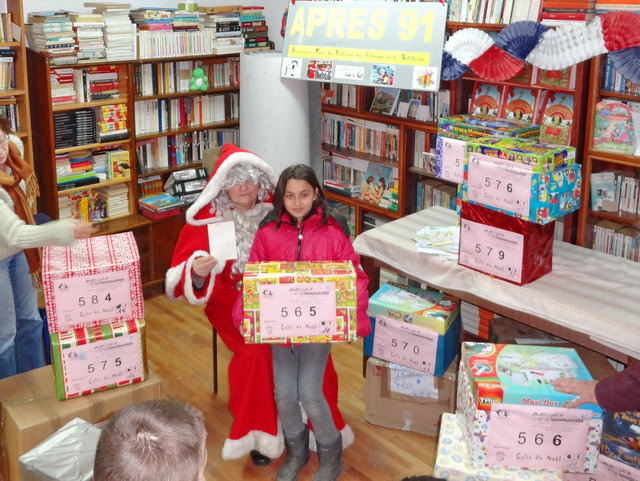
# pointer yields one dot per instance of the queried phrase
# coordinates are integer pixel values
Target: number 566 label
(537, 437)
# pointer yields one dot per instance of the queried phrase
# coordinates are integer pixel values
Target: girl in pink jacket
(299, 229)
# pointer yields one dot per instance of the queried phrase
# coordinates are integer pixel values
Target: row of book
(424, 151)
(431, 192)
(9, 111)
(161, 115)
(412, 104)
(172, 77)
(6, 29)
(363, 136)
(492, 11)
(343, 95)
(7, 69)
(95, 205)
(616, 239)
(614, 81)
(615, 191)
(91, 167)
(181, 149)
(87, 84)
(552, 110)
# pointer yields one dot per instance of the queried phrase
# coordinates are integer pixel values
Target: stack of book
(89, 206)
(89, 36)
(119, 31)
(158, 206)
(77, 127)
(225, 22)
(75, 170)
(62, 89)
(604, 6)
(112, 122)
(51, 33)
(253, 18)
(187, 20)
(117, 199)
(153, 19)
(97, 83)
(556, 12)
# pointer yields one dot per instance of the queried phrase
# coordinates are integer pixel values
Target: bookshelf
(619, 220)
(14, 102)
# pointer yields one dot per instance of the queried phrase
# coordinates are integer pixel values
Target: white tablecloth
(587, 291)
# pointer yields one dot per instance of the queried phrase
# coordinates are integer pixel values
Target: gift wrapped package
(94, 281)
(502, 246)
(540, 156)
(621, 437)
(299, 302)
(431, 309)
(475, 423)
(453, 460)
(608, 470)
(469, 127)
(66, 455)
(515, 189)
(30, 411)
(402, 398)
(93, 359)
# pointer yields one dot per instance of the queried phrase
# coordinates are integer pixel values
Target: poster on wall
(396, 45)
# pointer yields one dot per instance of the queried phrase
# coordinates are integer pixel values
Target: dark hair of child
(298, 172)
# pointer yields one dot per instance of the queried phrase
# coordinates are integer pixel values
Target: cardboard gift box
(94, 281)
(402, 398)
(66, 455)
(608, 470)
(540, 156)
(453, 461)
(97, 358)
(469, 127)
(30, 411)
(431, 309)
(474, 422)
(515, 189)
(299, 302)
(621, 437)
(504, 247)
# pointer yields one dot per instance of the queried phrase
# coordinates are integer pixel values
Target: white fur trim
(189, 293)
(348, 437)
(212, 189)
(172, 279)
(268, 444)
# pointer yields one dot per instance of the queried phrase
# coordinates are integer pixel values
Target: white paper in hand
(222, 240)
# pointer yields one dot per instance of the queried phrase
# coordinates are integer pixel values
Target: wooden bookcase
(20, 94)
(595, 160)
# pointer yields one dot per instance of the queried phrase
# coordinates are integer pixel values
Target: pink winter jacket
(314, 241)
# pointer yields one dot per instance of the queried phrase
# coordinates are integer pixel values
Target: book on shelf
(603, 191)
(160, 202)
(380, 186)
(486, 99)
(195, 173)
(613, 129)
(520, 104)
(119, 164)
(556, 118)
(555, 79)
(343, 174)
(385, 100)
(149, 185)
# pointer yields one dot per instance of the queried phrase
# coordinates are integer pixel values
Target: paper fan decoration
(468, 44)
(518, 39)
(620, 30)
(496, 64)
(627, 62)
(568, 45)
(451, 68)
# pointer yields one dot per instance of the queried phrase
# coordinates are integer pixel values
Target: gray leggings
(298, 374)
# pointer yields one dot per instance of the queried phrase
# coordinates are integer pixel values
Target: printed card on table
(222, 240)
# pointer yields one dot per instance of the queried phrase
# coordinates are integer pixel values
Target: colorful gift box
(517, 374)
(608, 470)
(453, 461)
(474, 422)
(402, 398)
(504, 247)
(468, 127)
(431, 309)
(515, 189)
(299, 302)
(542, 157)
(94, 359)
(621, 437)
(92, 282)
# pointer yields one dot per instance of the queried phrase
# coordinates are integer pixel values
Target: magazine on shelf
(385, 100)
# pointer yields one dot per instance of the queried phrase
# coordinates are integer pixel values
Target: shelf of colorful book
(219, 90)
(97, 145)
(66, 107)
(361, 155)
(97, 185)
(362, 204)
(187, 130)
(169, 170)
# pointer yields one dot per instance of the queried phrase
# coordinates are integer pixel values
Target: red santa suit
(251, 397)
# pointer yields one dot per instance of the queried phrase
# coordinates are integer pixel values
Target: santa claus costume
(251, 397)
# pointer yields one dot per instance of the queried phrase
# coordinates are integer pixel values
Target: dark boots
(297, 456)
(330, 460)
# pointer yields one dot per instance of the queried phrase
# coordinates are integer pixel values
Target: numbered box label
(93, 298)
(537, 437)
(304, 309)
(450, 155)
(406, 344)
(499, 183)
(97, 364)
(491, 250)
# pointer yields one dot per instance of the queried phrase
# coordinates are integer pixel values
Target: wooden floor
(179, 350)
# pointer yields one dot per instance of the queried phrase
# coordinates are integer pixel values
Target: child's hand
(82, 230)
(585, 390)
(202, 266)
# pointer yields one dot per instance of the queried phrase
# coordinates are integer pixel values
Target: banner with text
(395, 45)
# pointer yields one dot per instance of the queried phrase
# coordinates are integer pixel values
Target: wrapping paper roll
(274, 112)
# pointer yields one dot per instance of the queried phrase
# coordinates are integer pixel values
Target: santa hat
(230, 157)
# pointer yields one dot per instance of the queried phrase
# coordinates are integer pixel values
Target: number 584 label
(537, 437)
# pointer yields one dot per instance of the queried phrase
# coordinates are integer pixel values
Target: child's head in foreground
(160, 440)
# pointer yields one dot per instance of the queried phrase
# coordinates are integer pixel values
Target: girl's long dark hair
(298, 172)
